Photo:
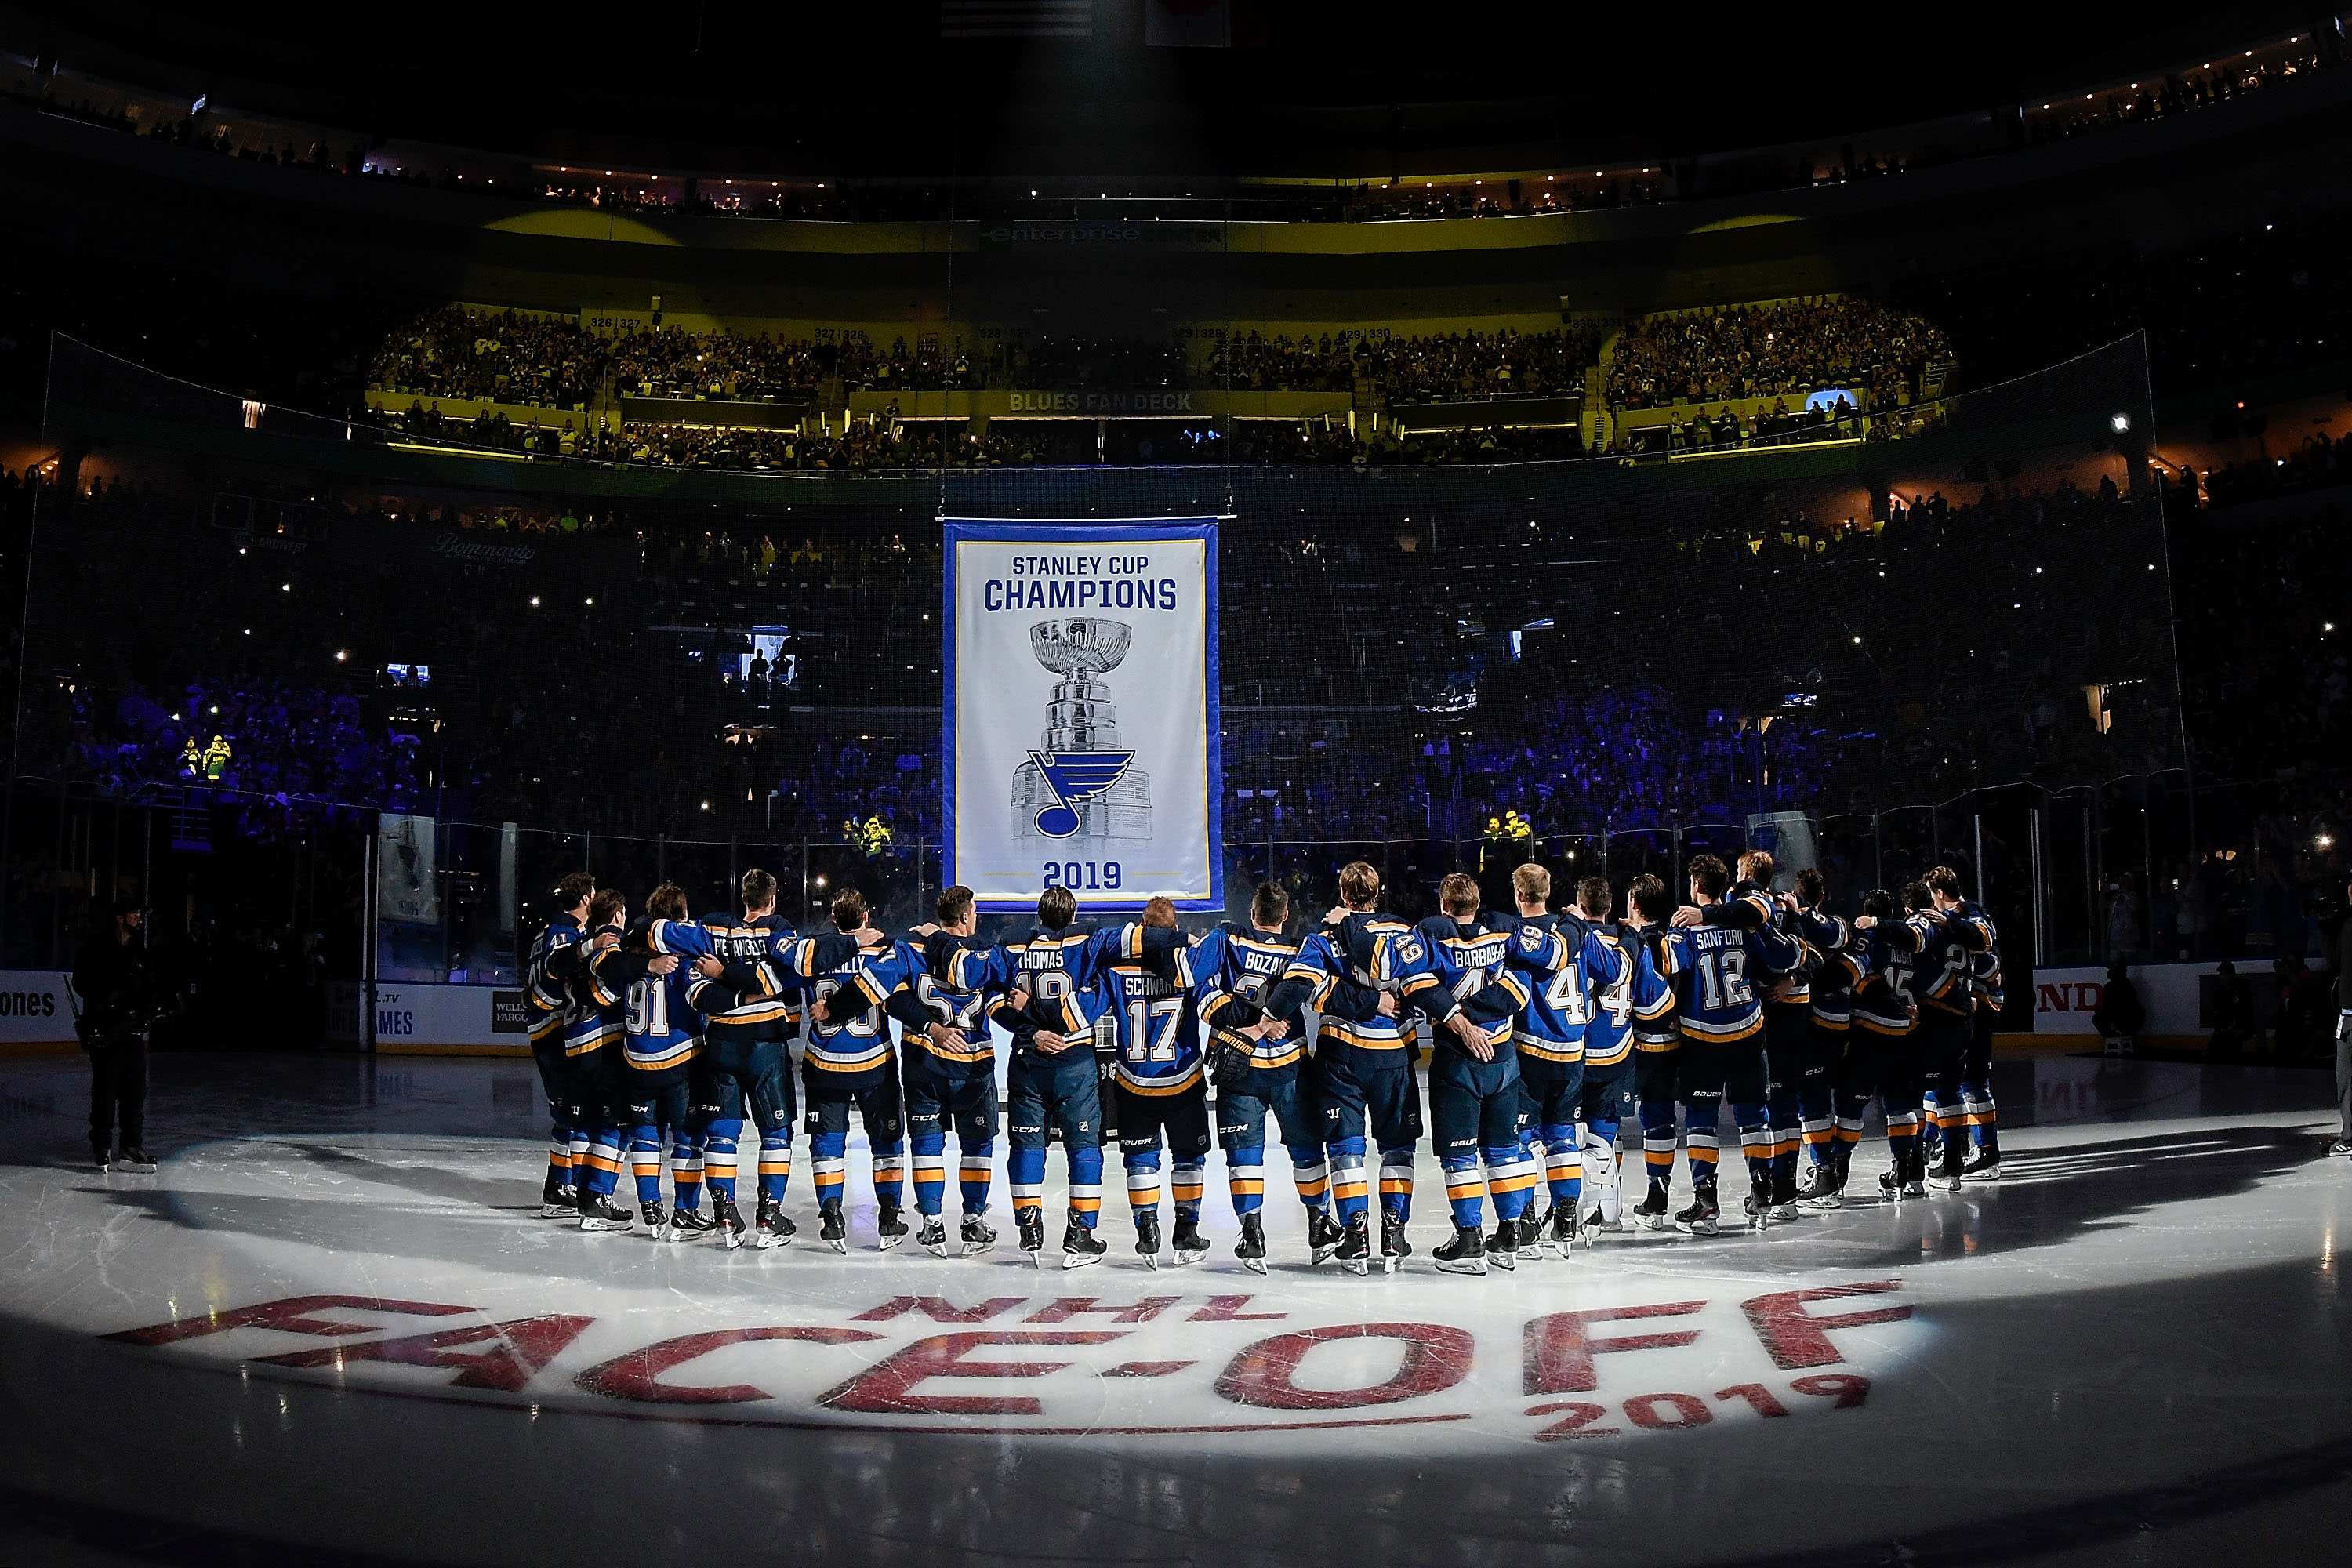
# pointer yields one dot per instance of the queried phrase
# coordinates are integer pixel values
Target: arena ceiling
(1313, 88)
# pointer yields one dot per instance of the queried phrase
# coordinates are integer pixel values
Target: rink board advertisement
(1080, 712)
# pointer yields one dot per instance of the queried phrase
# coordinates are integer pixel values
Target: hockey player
(1260, 1066)
(1717, 971)
(556, 958)
(743, 1061)
(1976, 1075)
(1554, 962)
(1882, 1053)
(1477, 1100)
(1366, 1069)
(1161, 1087)
(661, 1033)
(1052, 1080)
(1638, 998)
(595, 1056)
(846, 1061)
(948, 1066)
(1788, 1016)
(1829, 1136)
(1657, 1052)
(1947, 1000)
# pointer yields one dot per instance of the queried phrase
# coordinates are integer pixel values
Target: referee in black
(117, 1006)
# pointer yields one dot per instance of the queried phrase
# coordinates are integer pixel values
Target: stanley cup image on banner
(1081, 784)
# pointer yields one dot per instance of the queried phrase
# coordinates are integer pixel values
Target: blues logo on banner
(1081, 712)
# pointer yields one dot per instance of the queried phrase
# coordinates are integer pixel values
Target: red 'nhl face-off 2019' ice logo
(1126, 1362)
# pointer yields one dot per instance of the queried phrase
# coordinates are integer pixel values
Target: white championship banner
(1081, 712)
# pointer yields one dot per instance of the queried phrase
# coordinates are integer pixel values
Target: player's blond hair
(1532, 883)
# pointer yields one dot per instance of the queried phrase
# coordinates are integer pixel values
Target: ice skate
(979, 1236)
(1503, 1246)
(1187, 1242)
(1984, 1167)
(1251, 1247)
(600, 1213)
(1081, 1247)
(691, 1223)
(933, 1237)
(775, 1227)
(1147, 1239)
(1394, 1247)
(1650, 1213)
(890, 1228)
(728, 1220)
(1324, 1235)
(1559, 1234)
(135, 1160)
(1703, 1216)
(1029, 1226)
(831, 1227)
(1465, 1254)
(1355, 1253)
(1819, 1190)
(557, 1199)
(657, 1219)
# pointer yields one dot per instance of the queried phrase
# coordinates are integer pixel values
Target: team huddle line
(1548, 1031)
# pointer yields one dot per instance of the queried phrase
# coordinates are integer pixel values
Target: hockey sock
(1245, 1177)
(566, 1145)
(719, 1148)
(1563, 1164)
(1699, 1145)
(1025, 1173)
(1658, 1143)
(1510, 1177)
(559, 1143)
(1396, 1183)
(890, 1175)
(1952, 1133)
(1849, 1133)
(1143, 1182)
(644, 1161)
(1931, 1125)
(1984, 1124)
(1902, 1136)
(775, 1164)
(686, 1170)
(1756, 1145)
(931, 1150)
(975, 1168)
(1312, 1177)
(1348, 1195)
(829, 1158)
(603, 1168)
(1820, 1133)
(1186, 1179)
(1085, 1183)
(1462, 1189)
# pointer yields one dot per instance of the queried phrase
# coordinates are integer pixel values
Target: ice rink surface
(330, 1330)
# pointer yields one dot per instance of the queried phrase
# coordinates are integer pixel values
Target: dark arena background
(1774, 584)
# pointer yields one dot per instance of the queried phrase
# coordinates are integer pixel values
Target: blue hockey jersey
(850, 1042)
(1381, 954)
(1566, 966)
(546, 975)
(1947, 966)
(1887, 996)
(1719, 974)
(1638, 995)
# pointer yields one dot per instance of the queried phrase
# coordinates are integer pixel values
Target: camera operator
(117, 1007)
